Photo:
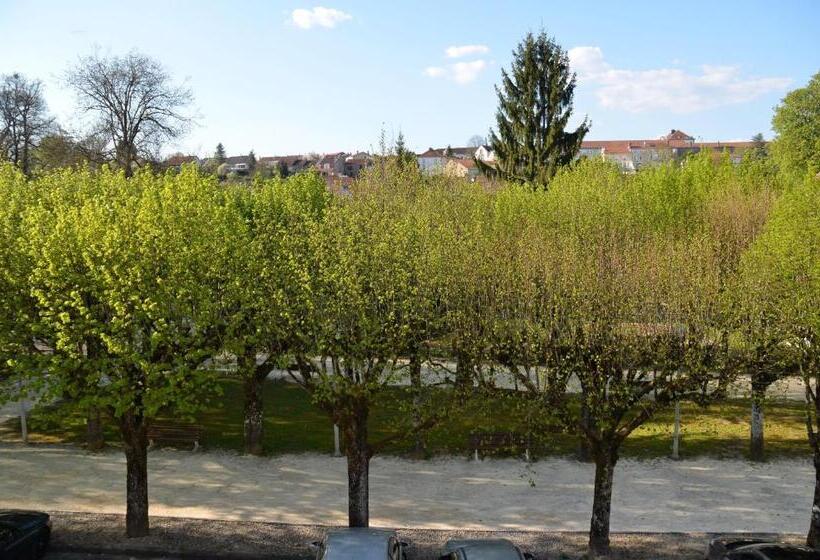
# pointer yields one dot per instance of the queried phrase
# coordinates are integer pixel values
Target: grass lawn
(293, 424)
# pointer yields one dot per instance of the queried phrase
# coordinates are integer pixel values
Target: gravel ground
(444, 493)
(75, 535)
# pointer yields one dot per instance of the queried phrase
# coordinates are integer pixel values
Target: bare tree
(23, 119)
(135, 104)
(476, 140)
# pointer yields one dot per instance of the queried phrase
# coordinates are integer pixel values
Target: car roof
(22, 520)
(484, 549)
(357, 542)
(777, 551)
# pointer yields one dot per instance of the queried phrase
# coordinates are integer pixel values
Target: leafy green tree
(365, 302)
(251, 162)
(18, 309)
(781, 273)
(265, 295)
(606, 305)
(797, 124)
(534, 106)
(126, 275)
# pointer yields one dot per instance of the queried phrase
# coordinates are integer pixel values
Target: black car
(483, 549)
(756, 549)
(24, 535)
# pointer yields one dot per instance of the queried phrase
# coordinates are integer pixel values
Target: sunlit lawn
(294, 424)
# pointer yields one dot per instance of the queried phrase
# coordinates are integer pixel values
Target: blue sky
(293, 77)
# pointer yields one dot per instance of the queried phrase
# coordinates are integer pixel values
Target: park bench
(169, 432)
(486, 442)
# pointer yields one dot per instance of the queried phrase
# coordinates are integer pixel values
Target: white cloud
(318, 17)
(465, 50)
(670, 89)
(459, 72)
(466, 72)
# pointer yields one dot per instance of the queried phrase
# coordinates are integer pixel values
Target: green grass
(294, 424)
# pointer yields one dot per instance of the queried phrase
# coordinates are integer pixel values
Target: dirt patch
(85, 532)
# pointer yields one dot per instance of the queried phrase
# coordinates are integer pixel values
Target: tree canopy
(797, 124)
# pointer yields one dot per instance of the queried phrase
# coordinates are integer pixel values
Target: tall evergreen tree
(219, 154)
(759, 149)
(404, 157)
(534, 106)
(251, 162)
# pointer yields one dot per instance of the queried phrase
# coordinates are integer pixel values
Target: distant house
(176, 161)
(485, 153)
(631, 155)
(434, 160)
(240, 165)
(354, 164)
(289, 164)
(431, 161)
(332, 163)
(461, 167)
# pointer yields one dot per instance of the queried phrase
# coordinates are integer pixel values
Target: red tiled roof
(432, 152)
(180, 160)
(468, 163)
(626, 146)
(439, 152)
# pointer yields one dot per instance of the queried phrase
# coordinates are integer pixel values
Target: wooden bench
(169, 432)
(499, 441)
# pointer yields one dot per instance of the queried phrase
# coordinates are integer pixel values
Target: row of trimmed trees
(604, 299)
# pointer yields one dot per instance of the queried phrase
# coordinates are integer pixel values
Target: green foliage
(219, 154)
(126, 278)
(797, 124)
(535, 104)
(404, 157)
(17, 308)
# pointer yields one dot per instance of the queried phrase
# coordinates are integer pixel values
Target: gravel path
(455, 493)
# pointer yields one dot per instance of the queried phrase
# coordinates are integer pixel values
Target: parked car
(483, 549)
(24, 535)
(360, 544)
(757, 549)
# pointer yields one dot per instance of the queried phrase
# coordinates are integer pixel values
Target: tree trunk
(464, 377)
(254, 425)
(135, 442)
(813, 539)
(358, 468)
(93, 431)
(415, 382)
(605, 460)
(253, 377)
(756, 446)
(583, 452)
